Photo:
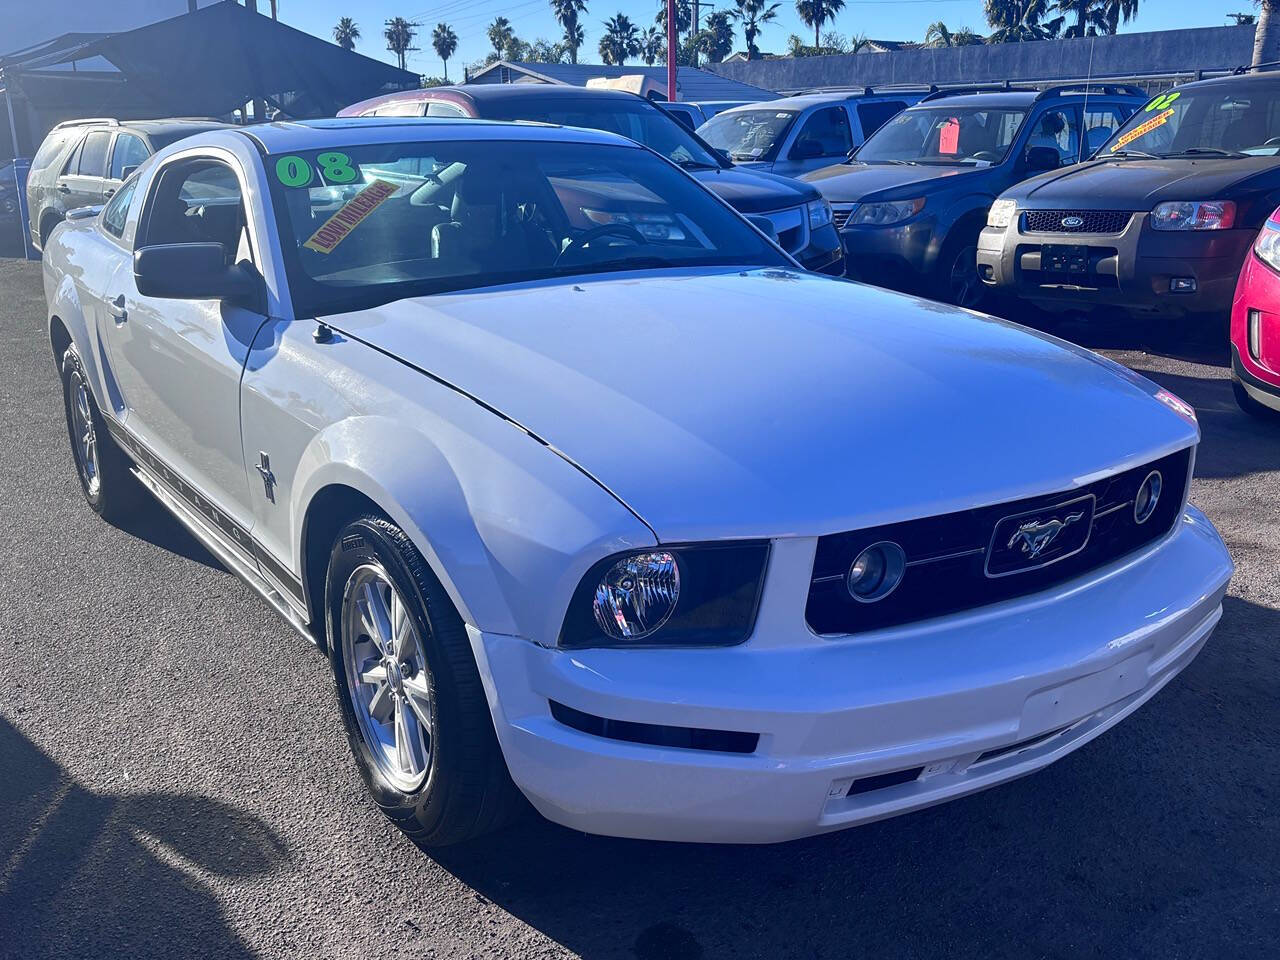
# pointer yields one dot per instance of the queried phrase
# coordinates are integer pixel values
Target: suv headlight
(885, 213)
(819, 213)
(694, 595)
(1194, 215)
(1001, 213)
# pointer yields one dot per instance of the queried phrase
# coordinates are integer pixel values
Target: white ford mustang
(591, 495)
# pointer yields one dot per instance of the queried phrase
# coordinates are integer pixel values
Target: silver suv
(83, 162)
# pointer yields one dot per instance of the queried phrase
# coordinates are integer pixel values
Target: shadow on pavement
(157, 525)
(84, 874)
(1123, 849)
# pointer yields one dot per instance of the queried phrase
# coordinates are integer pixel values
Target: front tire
(106, 479)
(958, 278)
(412, 702)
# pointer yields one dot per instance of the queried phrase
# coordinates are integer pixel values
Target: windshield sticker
(1142, 129)
(949, 137)
(293, 171)
(1163, 101)
(338, 227)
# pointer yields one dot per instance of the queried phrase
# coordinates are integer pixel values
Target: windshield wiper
(1138, 154)
(743, 156)
(697, 165)
(1209, 152)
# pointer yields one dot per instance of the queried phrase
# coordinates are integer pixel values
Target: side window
(440, 108)
(400, 108)
(877, 113)
(53, 143)
(129, 151)
(116, 212)
(93, 155)
(1100, 122)
(829, 129)
(73, 161)
(198, 201)
(1058, 128)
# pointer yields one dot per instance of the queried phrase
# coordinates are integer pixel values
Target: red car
(1255, 327)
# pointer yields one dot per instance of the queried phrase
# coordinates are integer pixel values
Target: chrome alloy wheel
(82, 433)
(387, 677)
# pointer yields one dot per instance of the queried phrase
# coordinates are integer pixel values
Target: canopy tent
(206, 63)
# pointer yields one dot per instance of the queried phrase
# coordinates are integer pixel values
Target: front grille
(1091, 221)
(840, 215)
(950, 558)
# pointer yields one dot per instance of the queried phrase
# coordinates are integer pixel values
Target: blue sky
(881, 19)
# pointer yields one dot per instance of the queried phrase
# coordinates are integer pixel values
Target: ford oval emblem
(1073, 223)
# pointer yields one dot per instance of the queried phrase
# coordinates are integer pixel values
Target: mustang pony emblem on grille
(1072, 222)
(1035, 535)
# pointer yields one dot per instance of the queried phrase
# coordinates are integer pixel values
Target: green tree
(346, 33)
(653, 46)
(445, 42)
(621, 40)
(817, 13)
(716, 37)
(753, 15)
(568, 14)
(1117, 12)
(859, 42)
(500, 34)
(1078, 18)
(399, 34)
(1016, 21)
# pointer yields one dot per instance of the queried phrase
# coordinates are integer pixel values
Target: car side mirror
(191, 271)
(806, 150)
(127, 172)
(765, 226)
(1041, 159)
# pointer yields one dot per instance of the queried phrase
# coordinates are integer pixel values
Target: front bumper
(960, 703)
(900, 257)
(1131, 270)
(823, 253)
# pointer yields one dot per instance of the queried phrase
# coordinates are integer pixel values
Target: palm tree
(753, 15)
(567, 14)
(445, 42)
(1266, 36)
(1014, 21)
(400, 33)
(964, 37)
(500, 34)
(937, 35)
(1090, 19)
(1117, 12)
(716, 38)
(859, 42)
(346, 33)
(621, 40)
(653, 46)
(815, 13)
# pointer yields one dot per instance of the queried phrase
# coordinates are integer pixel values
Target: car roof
(496, 94)
(802, 100)
(1243, 79)
(352, 131)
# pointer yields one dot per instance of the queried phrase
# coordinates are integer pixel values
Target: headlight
(700, 595)
(1001, 213)
(652, 226)
(1179, 406)
(885, 213)
(1267, 246)
(1194, 215)
(819, 213)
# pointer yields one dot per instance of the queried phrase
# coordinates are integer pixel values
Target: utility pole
(694, 27)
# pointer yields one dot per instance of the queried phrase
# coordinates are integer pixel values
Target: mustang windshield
(974, 136)
(748, 134)
(369, 224)
(1227, 120)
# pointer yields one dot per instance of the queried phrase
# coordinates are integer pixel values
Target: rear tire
(412, 702)
(1251, 406)
(106, 478)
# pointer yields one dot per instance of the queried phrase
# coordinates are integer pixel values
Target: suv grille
(840, 214)
(1091, 221)
(954, 561)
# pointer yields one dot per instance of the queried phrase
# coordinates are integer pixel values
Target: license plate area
(1065, 259)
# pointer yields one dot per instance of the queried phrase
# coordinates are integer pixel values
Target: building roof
(692, 83)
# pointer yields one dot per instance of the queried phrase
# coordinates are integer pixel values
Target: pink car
(1255, 327)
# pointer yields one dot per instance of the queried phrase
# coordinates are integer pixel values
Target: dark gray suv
(911, 202)
(83, 162)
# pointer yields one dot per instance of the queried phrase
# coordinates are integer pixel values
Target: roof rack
(1004, 86)
(107, 121)
(1242, 70)
(865, 90)
(1106, 89)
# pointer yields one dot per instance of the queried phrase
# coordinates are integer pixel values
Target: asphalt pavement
(174, 781)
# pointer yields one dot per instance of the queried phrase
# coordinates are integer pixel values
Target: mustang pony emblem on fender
(1035, 536)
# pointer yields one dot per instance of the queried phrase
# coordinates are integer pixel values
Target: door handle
(63, 188)
(108, 192)
(118, 312)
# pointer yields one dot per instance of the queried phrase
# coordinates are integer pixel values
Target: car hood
(755, 191)
(772, 403)
(1139, 184)
(854, 182)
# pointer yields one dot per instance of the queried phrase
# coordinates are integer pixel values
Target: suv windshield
(374, 223)
(748, 134)
(1220, 119)
(631, 118)
(945, 135)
